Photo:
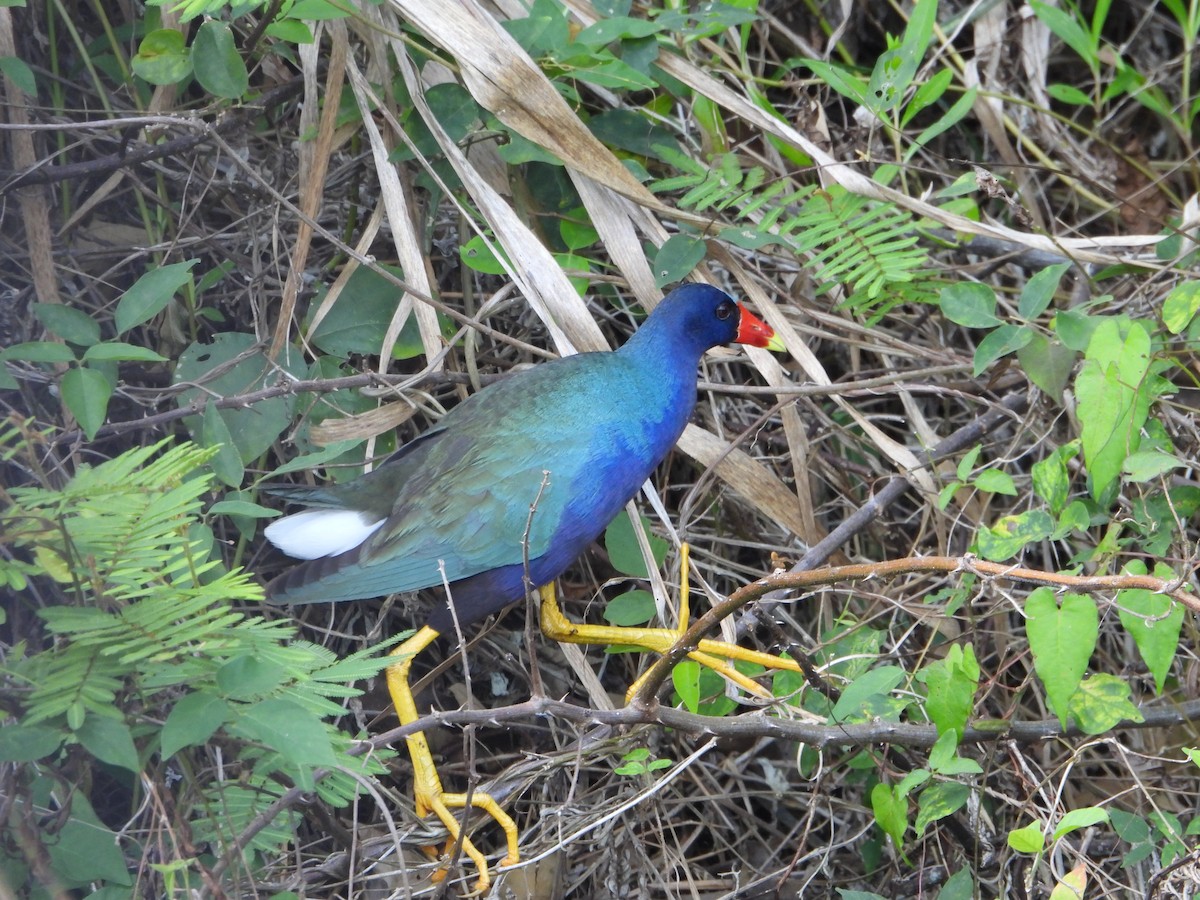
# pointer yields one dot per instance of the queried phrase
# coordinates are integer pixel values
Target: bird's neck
(665, 365)
(657, 348)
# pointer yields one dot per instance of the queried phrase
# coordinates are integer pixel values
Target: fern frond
(866, 245)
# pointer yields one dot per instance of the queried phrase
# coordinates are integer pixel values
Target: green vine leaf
(1061, 639)
(86, 393)
(1155, 622)
(1102, 703)
(218, 65)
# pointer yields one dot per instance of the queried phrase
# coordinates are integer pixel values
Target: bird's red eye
(725, 310)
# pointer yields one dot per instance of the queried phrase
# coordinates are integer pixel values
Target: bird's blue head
(696, 317)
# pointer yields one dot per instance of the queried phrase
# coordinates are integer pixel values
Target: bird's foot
(427, 785)
(716, 655)
(441, 804)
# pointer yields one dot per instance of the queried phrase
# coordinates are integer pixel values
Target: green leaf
(1154, 621)
(18, 71)
(630, 609)
(946, 494)
(966, 465)
(604, 32)
(858, 693)
(995, 481)
(891, 812)
(1147, 465)
(192, 721)
(1039, 291)
(895, 68)
(1077, 819)
(959, 765)
(1029, 839)
(573, 262)
(1061, 640)
(86, 393)
(241, 508)
(623, 550)
(151, 293)
(480, 255)
(243, 368)
(943, 748)
(357, 322)
(969, 303)
(844, 82)
(26, 743)
(218, 65)
(676, 258)
(291, 30)
(289, 729)
(317, 10)
(1076, 517)
(543, 32)
(577, 231)
(962, 106)
(39, 351)
(118, 351)
(72, 325)
(611, 9)
(1051, 481)
(312, 460)
(1113, 399)
(1074, 328)
(615, 74)
(1047, 363)
(944, 760)
(1067, 29)
(85, 851)
(938, 801)
(110, 741)
(227, 464)
(248, 677)
(959, 886)
(912, 781)
(1129, 827)
(927, 94)
(1065, 93)
(1002, 341)
(1010, 534)
(710, 118)
(162, 57)
(686, 678)
(1181, 305)
(455, 109)
(1102, 703)
(950, 685)
(641, 53)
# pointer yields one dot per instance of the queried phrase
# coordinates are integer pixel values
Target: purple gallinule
(508, 489)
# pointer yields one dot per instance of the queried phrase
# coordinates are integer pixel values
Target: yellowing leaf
(53, 564)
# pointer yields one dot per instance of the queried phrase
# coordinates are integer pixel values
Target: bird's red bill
(754, 331)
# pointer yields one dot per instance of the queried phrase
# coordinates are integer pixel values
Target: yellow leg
(713, 654)
(427, 786)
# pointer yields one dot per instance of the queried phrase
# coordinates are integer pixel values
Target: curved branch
(1080, 584)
